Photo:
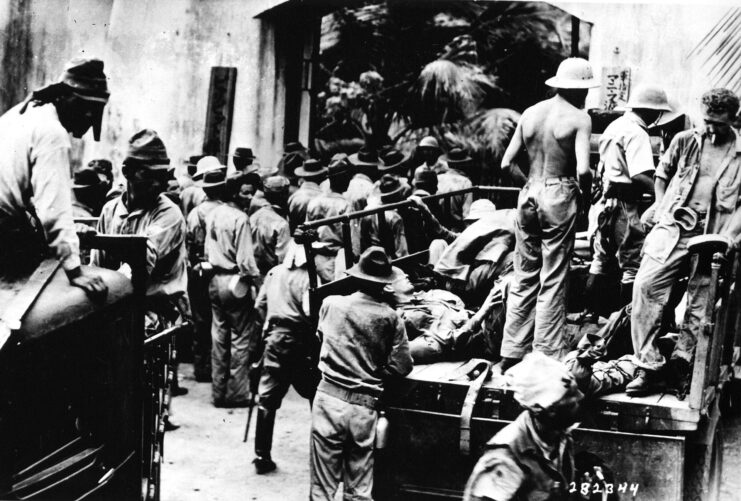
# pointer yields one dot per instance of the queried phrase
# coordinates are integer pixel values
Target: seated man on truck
(698, 190)
(531, 457)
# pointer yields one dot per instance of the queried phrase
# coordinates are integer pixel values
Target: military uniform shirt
(625, 150)
(35, 172)
(299, 201)
(229, 240)
(270, 237)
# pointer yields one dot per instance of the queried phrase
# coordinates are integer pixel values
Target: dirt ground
(205, 460)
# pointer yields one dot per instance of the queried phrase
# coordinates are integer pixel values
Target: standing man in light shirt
(229, 251)
(627, 167)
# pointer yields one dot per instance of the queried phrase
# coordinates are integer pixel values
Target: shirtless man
(555, 136)
(698, 181)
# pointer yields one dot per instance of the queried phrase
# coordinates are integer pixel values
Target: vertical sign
(220, 112)
(615, 86)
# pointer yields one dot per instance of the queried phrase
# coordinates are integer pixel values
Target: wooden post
(575, 25)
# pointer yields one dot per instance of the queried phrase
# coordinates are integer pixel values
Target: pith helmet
(573, 73)
(649, 97)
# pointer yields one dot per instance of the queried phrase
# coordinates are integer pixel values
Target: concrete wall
(158, 56)
(655, 40)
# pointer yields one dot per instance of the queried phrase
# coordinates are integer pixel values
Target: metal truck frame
(650, 448)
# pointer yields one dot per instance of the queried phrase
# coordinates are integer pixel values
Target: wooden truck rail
(655, 447)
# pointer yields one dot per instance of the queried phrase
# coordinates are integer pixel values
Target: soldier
(270, 230)
(627, 167)
(393, 163)
(555, 135)
(228, 249)
(456, 177)
(212, 183)
(390, 235)
(532, 457)
(35, 192)
(193, 195)
(698, 184)
(294, 155)
(89, 191)
(364, 346)
(429, 151)
(365, 166)
(290, 346)
(328, 205)
(311, 173)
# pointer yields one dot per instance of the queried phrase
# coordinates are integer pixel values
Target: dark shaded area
(17, 58)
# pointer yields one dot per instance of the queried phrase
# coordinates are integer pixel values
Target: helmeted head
(479, 208)
(573, 79)
(275, 189)
(429, 149)
(146, 168)
(207, 164)
(649, 102)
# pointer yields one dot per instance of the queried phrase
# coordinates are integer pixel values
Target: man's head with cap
(312, 170)
(429, 150)
(339, 173)
(192, 164)
(243, 158)
(425, 179)
(89, 188)
(80, 95)
(365, 161)
(391, 189)
(104, 168)
(649, 102)
(275, 189)
(546, 388)
(207, 164)
(146, 169)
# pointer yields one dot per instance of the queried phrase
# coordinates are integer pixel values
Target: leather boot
(264, 441)
(626, 293)
(644, 383)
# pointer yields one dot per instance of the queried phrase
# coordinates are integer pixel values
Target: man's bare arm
(733, 229)
(581, 151)
(509, 160)
(659, 188)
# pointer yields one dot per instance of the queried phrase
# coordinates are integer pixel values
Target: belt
(285, 323)
(225, 271)
(552, 179)
(351, 397)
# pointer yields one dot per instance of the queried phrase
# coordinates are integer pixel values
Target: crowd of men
(224, 250)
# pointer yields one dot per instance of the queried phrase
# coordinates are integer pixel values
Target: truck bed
(616, 412)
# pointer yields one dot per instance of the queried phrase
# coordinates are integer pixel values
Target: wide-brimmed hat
(245, 153)
(573, 73)
(147, 150)
(86, 177)
(293, 147)
(457, 157)
(364, 157)
(275, 184)
(212, 179)
(390, 188)
(374, 266)
(539, 383)
(648, 97)
(338, 165)
(429, 142)
(480, 208)
(208, 164)
(310, 168)
(392, 159)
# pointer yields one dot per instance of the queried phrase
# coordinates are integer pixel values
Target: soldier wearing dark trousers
(290, 346)
(364, 345)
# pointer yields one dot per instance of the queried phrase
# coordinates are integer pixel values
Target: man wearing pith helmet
(35, 172)
(554, 134)
(627, 168)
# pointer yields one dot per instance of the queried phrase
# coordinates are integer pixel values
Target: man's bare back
(549, 131)
(555, 135)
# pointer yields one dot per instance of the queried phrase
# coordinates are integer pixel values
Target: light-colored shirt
(270, 237)
(35, 173)
(229, 241)
(284, 295)
(358, 191)
(396, 246)
(191, 197)
(325, 206)
(625, 150)
(164, 228)
(460, 205)
(363, 343)
(299, 201)
(195, 237)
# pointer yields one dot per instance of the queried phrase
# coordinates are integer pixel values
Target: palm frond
(720, 51)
